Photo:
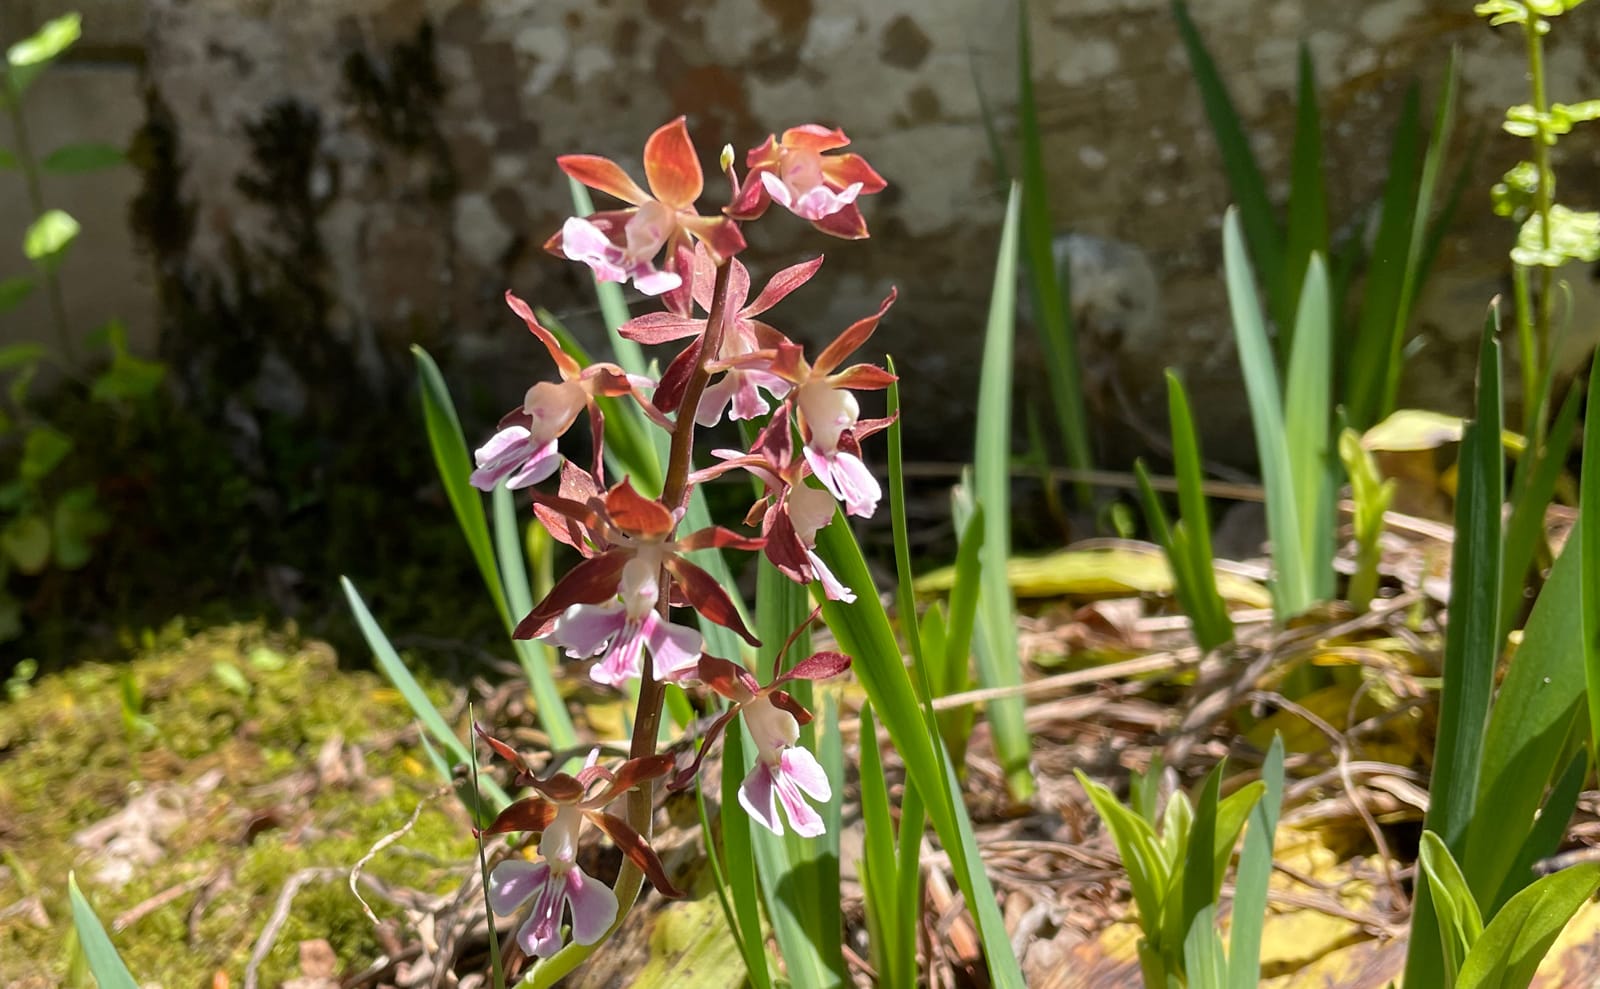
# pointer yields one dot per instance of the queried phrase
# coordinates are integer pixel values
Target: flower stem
(35, 192)
(1544, 197)
(647, 716)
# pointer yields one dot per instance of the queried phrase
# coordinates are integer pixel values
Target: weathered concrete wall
(398, 163)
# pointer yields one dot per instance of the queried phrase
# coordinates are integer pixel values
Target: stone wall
(379, 171)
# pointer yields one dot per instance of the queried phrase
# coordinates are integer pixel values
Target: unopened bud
(727, 157)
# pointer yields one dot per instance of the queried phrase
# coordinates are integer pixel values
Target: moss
(82, 742)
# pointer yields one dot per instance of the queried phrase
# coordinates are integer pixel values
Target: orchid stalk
(614, 609)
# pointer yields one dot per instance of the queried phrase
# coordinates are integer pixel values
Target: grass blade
(737, 846)
(536, 657)
(879, 858)
(1472, 644)
(1472, 647)
(905, 596)
(1535, 484)
(450, 454)
(1291, 589)
(1308, 206)
(1306, 427)
(1245, 181)
(1046, 280)
(1255, 871)
(1366, 368)
(1589, 568)
(863, 630)
(998, 662)
(1191, 537)
(105, 964)
(1432, 164)
(395, 669)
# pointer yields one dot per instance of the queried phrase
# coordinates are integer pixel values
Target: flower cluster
(614, 608)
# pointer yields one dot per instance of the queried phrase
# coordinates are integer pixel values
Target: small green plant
(1372, 494)
(1176, 858)
(1187, 542)
(1549, 234)
(46, 519)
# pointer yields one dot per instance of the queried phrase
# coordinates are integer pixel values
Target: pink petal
(759, 797)
(585, 630)
(593, 904)
(802, 767)
(543, 462)
(540, 937)
(830, 584)
(714, 400)
(777, 190)
(514, 882)
(857, 488)
(649, 280)
(675, 648)
(583, 241)
(820, 201)
(625, 659)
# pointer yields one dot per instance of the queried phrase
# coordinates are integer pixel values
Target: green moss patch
(246, 755)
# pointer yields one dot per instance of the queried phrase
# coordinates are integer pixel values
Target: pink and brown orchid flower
(555, 885)
(784, 773)
(606, 606)
(792, 512)
(795, 172)
(523, 451)
(743, 333)
(622, 245)
(830, 416)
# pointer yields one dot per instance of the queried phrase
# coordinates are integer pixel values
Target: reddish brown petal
(784, 701)
(635, 514)
(559, 787)
(708, 597)
(819, 666)
(579, 512)
(528, 814)
(752, 199)
(675, 379)
(720, 234)
(725, 676)
(660, 327)
(717, 537)
(500, 748)
(865, 428)
(863, 377)
(516, 417)
(852, 338)
(603, 174)
(846, 224)
(686, 775)
(638, 851)
(765, 155)
(569, 368)
(670, 166)
(846, 170)
(605, 380)
(814, 137)
(630, 774)
(680, 261)
(590, 582)
(785, 549)
(782, 284)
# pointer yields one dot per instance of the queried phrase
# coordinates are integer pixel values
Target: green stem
(1544, 196)
(35, 188)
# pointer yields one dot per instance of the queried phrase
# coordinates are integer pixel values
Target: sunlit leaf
(49, 235)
